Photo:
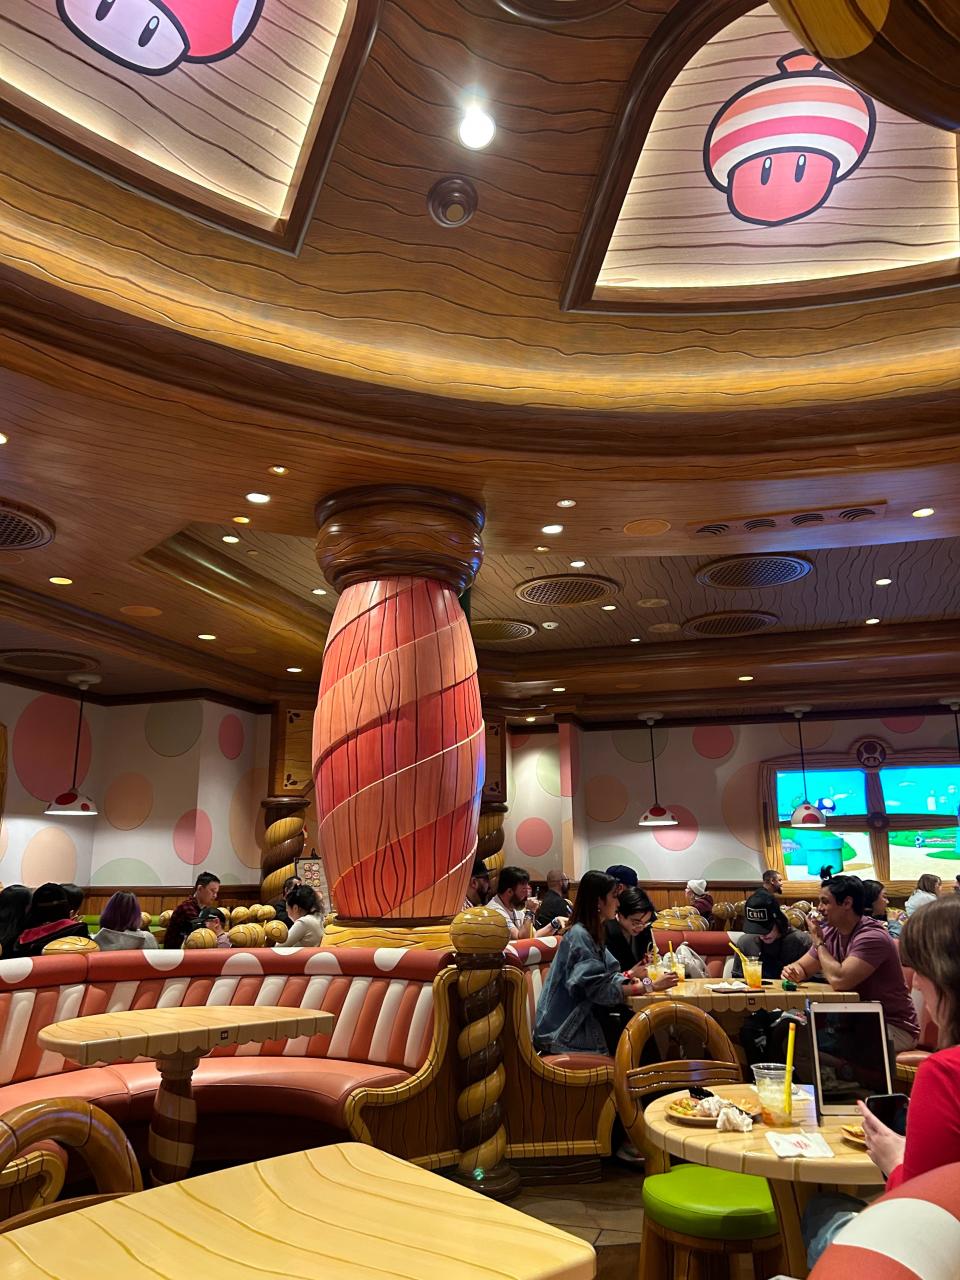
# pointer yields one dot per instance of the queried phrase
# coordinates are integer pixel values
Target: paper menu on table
(809, 1146)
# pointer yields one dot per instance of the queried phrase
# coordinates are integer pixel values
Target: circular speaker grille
(738, 623)
(746, 573)
(51, 662)
(22, 528)
(566, 590)
(494, 630)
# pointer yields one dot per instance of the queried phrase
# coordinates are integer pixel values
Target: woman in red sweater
(930, 945)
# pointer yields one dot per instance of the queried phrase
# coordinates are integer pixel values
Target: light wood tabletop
(792, 1180)
(345, 1212)
(702, 994)
(176, 1039)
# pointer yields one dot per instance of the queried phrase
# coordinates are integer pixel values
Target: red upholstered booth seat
(383, 999)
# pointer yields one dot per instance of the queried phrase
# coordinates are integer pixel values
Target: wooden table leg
(790, 1200)
(173, 1125)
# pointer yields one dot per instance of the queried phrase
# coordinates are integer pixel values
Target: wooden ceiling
(153, 367)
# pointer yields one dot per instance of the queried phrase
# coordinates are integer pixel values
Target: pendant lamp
(805, 815)
(71, 803)
(656, 815)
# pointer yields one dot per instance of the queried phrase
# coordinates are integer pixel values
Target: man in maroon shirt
(856, 953)
(186, 917)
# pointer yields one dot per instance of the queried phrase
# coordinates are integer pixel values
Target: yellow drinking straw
(739, 953)
(788, 1083)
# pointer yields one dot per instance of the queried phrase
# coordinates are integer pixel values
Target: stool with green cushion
(696, 1220)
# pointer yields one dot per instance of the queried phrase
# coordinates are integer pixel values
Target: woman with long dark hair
(14, 905)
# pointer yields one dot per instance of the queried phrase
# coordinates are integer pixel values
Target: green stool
(695, 1219)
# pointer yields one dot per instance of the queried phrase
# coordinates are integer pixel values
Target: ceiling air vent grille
(751, 573)
(501, 630)
(46, 662)
(22, 528)
(713, 530)
(858, 513)
(784, 521)
(736, 623)
(566, 590)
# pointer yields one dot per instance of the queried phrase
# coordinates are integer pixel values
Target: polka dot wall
(178, 784)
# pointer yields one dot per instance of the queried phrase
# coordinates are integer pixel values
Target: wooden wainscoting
(156, 898)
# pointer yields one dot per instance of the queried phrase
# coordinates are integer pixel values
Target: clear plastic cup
(776, 1100)
(672, 965)
(655, 970)
(753, 973)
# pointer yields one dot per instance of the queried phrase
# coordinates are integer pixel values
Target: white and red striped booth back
(383, 998)
(912, 1233)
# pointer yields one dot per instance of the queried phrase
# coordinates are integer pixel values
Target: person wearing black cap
(625, 877)
(769, 936)
(478, 887)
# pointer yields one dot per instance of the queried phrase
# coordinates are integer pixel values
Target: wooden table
(792, 1181)
(346, 1212)
(176, 1039)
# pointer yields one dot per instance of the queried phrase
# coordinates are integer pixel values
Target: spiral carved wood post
(479, 936)
(282, 844)
(173, 1126)
(398, 742)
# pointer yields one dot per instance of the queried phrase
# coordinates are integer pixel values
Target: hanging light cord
(956, 725)
(76, 749)
(803, 761)
(653, 766)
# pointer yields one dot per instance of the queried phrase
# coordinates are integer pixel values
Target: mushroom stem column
(398, 740)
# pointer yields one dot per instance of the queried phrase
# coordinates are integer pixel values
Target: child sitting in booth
(214, 919)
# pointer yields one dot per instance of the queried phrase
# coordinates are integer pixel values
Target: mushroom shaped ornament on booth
(155, 36)
(780, 146)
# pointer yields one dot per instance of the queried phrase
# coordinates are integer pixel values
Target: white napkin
(728, 986)
(730, 1120)
(810, 1146)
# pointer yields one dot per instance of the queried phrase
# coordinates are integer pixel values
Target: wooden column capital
(388, 531)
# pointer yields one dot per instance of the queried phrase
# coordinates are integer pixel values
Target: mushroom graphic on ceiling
(779, 147)
(154, 36)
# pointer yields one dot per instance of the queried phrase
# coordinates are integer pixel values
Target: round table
(792, 1180)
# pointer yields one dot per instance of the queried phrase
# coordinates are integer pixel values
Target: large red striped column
(398, 741)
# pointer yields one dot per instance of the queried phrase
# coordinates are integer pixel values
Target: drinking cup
(776, 1100)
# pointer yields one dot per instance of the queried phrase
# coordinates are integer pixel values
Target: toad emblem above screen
(780, 146)
(155, 36)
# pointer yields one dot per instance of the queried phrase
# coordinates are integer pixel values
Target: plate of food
(702, 1113)
(853, 1133)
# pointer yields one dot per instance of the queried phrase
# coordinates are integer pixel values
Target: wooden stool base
(669, 1255)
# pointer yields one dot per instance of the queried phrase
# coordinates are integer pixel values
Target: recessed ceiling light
(476, 129)
(294, 671)
(567, 502)
(744, 679)
(206, 635)
(3, 438)
(578, 564)
(634, 639)
(550, 626)
(279, 471)
(608, 608)
(552, 528)
(230, 537)
(530, 719)
(922, 512)
(541, 549)
(319, 591)
(258, 499)
(883, 582)
(62, 582)
(872, 622)
(559, 688)
(241, 519)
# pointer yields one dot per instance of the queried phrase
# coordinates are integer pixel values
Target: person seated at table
(120, 926)
(698, 898)
(511, 900)
(927, 890)
(855, 953)
(478, 886)
(47, 918)
(306, 911)
(186, 916)
(772, 882)
(582, 1007)
(215, 919)
(875, 900)
(956, 887)
(930, 945)
(75, 898)
(769, 936)
(554, 904)
(629, 935)
(14, 905)
(625, 877)
(280, 904)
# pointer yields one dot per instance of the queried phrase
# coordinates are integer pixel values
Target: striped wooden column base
(173, 1126)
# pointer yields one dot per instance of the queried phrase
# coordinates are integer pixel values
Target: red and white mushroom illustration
(154, 36)
(778, 147)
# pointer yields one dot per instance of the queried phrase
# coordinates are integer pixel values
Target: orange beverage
(753, 973)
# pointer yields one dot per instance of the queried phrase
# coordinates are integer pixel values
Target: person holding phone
(930, 945)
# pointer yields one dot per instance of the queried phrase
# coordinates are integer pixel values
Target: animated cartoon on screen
(780, 146)
(155, 36)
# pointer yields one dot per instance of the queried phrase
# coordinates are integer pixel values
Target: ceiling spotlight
(3, 438)
(206, 635)
(62, 582)
(872, 622)
(559, 688)
(550, 626)
(241, 519)
(608, 608)
(883, 582)
(230, 537)
(567, 502)
(634, 639)
(552, 528)
(578, 564)
(541, 549)
(319, 591)
(294, 671)
(530, 719)
(476, 129)
(279, 471)
(744, 679)
(258, 499)
(922, 512)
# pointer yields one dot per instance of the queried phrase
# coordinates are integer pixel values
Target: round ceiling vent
(749, 573)
(566, 590)
(740, 622)
(22, 528)
(500, 630)
(46, 662)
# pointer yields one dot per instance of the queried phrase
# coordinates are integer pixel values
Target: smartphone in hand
(891, 1110)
